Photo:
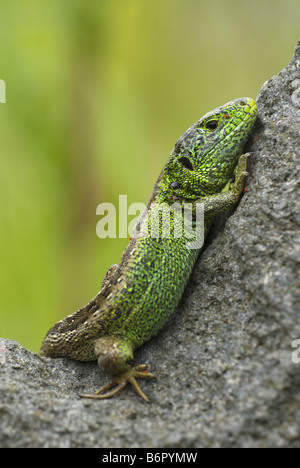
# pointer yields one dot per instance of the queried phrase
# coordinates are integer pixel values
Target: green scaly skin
(139, 295)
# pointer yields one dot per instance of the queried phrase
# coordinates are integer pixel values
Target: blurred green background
(97, 93)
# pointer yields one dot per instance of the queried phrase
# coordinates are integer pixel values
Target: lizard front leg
(231, 193)
(112, 354)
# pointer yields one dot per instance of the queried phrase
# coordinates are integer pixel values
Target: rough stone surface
(225, 372)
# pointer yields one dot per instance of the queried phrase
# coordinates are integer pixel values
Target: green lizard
(138, 296)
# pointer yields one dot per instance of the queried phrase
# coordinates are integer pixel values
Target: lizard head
(203, 159)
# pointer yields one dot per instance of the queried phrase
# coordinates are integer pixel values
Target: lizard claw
(130, 375)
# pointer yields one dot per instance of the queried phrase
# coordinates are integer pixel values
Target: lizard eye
(212, 125)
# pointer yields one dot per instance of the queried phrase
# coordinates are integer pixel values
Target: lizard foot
(129, 375)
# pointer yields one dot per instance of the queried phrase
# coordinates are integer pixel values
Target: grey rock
(224, 364)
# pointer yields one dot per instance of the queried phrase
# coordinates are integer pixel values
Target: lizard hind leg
(112, 354)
